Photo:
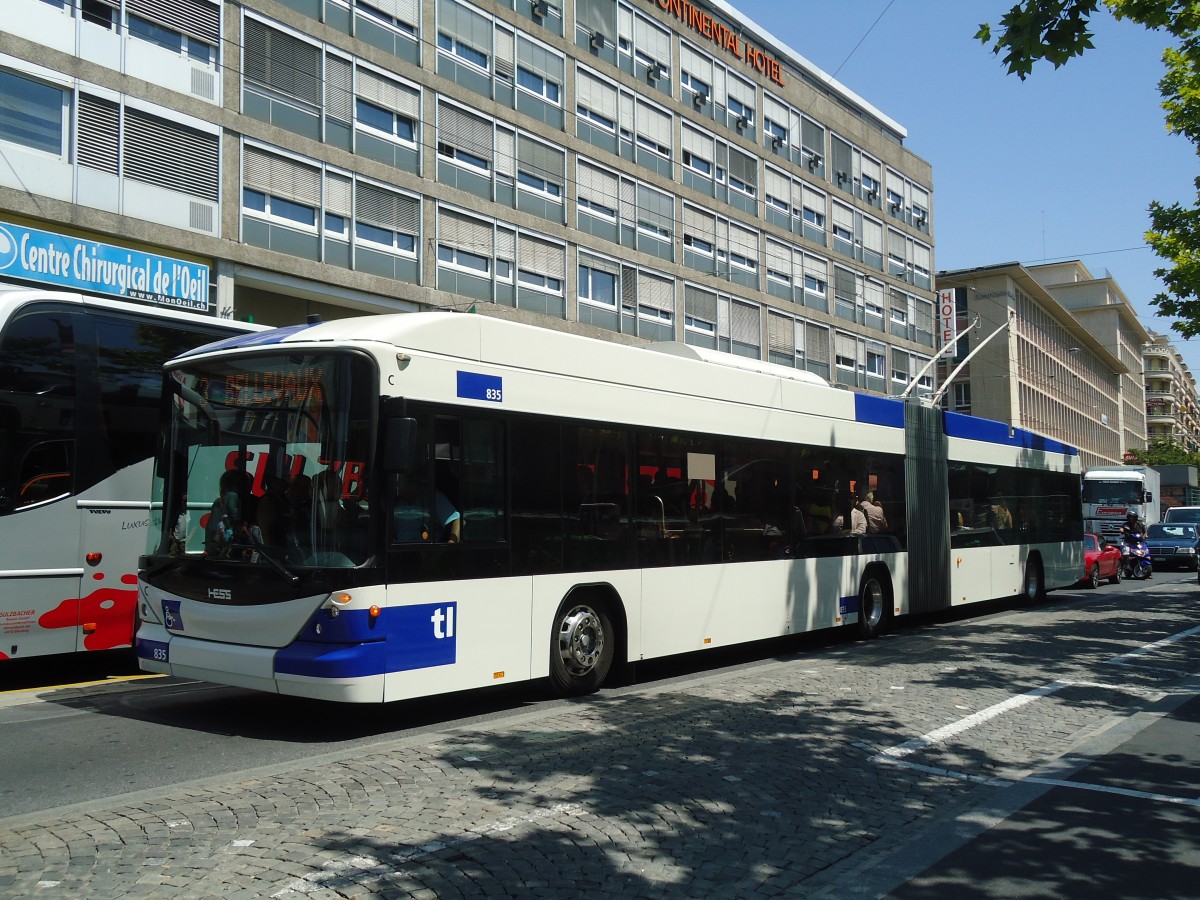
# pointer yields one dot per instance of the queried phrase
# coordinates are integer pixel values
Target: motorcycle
(1135, 556)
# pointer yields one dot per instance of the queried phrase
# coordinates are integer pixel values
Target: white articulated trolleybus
(408, 505)
(80, 386)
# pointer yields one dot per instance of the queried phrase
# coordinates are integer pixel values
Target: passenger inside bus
(416, 521)
(228, 527)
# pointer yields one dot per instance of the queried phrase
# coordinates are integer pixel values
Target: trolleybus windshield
(267, 461)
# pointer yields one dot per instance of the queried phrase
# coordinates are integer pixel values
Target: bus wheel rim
(580, 640)
(872, 602)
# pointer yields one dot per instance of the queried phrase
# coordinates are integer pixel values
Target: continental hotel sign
(720, 34)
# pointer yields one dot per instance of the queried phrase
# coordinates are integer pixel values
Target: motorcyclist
(1133, 531)
(1133, 525)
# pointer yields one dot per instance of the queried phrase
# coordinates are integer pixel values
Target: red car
(1100, 560)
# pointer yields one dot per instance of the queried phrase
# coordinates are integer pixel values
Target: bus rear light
(93, 558)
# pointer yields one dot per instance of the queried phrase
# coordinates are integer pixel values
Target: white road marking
(1126, 659)
(896, 755)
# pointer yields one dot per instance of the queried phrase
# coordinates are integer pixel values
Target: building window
(384, 237)
(697, 163)
(397, 21)
(598, 287)
(539, 184)
(540, 282)
(595, 118)
(462, 157)
(172, 40)
(695, 85)
(741, 110)
(539, 85)
(876, 363)
(962, 397)
(456, 47)
(31, 114)
(97, 12)
(457, 258)
(289, 212)
(387, 220)
(384, 121)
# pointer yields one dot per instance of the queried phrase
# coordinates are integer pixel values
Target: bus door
(40, 567)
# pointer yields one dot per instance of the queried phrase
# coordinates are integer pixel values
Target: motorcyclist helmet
(1131, 517)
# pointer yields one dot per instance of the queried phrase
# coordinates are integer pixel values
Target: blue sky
(1062, 165)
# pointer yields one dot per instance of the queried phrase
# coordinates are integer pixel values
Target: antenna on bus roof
(314, 319)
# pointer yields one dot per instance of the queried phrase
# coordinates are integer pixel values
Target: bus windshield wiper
(283, 571)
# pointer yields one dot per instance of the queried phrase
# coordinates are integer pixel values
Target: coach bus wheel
(1035, 584)
(581, 647)
(874, 603)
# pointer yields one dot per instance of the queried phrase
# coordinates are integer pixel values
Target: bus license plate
(155, 651)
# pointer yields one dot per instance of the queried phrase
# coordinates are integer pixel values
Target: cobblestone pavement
(808, 775)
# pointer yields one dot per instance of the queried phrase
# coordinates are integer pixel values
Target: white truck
(1111, 492)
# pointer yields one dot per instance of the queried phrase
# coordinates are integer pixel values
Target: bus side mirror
(399, 445)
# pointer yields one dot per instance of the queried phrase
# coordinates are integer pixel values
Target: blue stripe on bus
(253, 339)
(973, 428)
(878, 410)
(405, 638)
(323, 660)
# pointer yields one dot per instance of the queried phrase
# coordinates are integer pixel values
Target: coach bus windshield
(266, 461)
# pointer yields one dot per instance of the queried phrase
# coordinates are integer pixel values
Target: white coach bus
(399, 506)
(80, 382)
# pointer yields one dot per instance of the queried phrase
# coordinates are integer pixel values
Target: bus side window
(37, 409)
(45, 473)
(480, 481)
(596, 492)
(129, 359)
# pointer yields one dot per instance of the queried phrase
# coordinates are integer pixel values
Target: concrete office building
(641, 170)
(1172, 407)
(1069, 365)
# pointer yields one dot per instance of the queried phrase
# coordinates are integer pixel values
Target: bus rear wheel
(581, 647)
(874, 603)
(1034, 590)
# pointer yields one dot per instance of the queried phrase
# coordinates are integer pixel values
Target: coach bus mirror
(399, 444)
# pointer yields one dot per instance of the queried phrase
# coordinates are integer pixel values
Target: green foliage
(1164, 452)
(1056, 31)
(1175, 236)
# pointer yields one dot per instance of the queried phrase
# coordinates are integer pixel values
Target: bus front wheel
(581, 647)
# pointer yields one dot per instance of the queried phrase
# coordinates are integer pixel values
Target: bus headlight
(337, 602)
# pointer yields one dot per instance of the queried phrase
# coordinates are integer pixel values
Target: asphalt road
(1046, 751)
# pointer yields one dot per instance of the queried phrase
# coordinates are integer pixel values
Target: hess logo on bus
(220, 594)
